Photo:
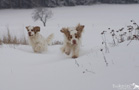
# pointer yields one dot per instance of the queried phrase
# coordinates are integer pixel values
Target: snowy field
(22, 69)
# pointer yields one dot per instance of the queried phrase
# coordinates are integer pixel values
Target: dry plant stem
(9, 39)
(104, 58)
(114, 40)
(129, 42)
(106, 46)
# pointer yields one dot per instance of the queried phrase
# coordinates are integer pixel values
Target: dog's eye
(70, 37)
(76, 36)
(32, 30)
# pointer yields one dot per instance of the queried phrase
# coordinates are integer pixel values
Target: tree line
(54, 3)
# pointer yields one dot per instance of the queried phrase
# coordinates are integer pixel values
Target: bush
(57, 43)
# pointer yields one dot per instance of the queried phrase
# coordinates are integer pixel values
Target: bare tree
(42, 14)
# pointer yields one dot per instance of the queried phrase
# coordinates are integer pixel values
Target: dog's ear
(80, 28)
(27, 27)
(36, 29)
(64, 30)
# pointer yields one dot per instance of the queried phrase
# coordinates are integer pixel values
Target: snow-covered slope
(22, 69)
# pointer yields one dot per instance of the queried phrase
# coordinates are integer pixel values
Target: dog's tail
(49, 38)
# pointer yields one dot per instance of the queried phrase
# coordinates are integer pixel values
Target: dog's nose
(29, 33)
(74, 41)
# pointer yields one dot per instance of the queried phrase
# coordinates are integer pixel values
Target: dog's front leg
(75, 52)
(33, 47)
(63, 48)
(67, 49)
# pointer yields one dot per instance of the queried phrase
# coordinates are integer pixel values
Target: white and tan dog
(72, 40)
(36, 40)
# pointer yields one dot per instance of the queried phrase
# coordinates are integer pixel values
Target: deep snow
(22, 69)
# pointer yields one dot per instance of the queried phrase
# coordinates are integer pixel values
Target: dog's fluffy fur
(72, 40)
(36, 40)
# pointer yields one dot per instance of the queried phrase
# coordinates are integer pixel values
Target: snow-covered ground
(22, 69)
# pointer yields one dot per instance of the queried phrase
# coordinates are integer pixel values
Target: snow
(22, 69)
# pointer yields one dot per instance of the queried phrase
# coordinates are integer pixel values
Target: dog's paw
(35, 51)
(38, 49)
(74, 56)
(68, 53)
(62, 49)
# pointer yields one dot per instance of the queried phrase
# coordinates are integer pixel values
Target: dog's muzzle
(74, 42)
(29, 33)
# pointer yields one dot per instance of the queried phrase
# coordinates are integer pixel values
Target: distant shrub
(42, 14)
(57, 43)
